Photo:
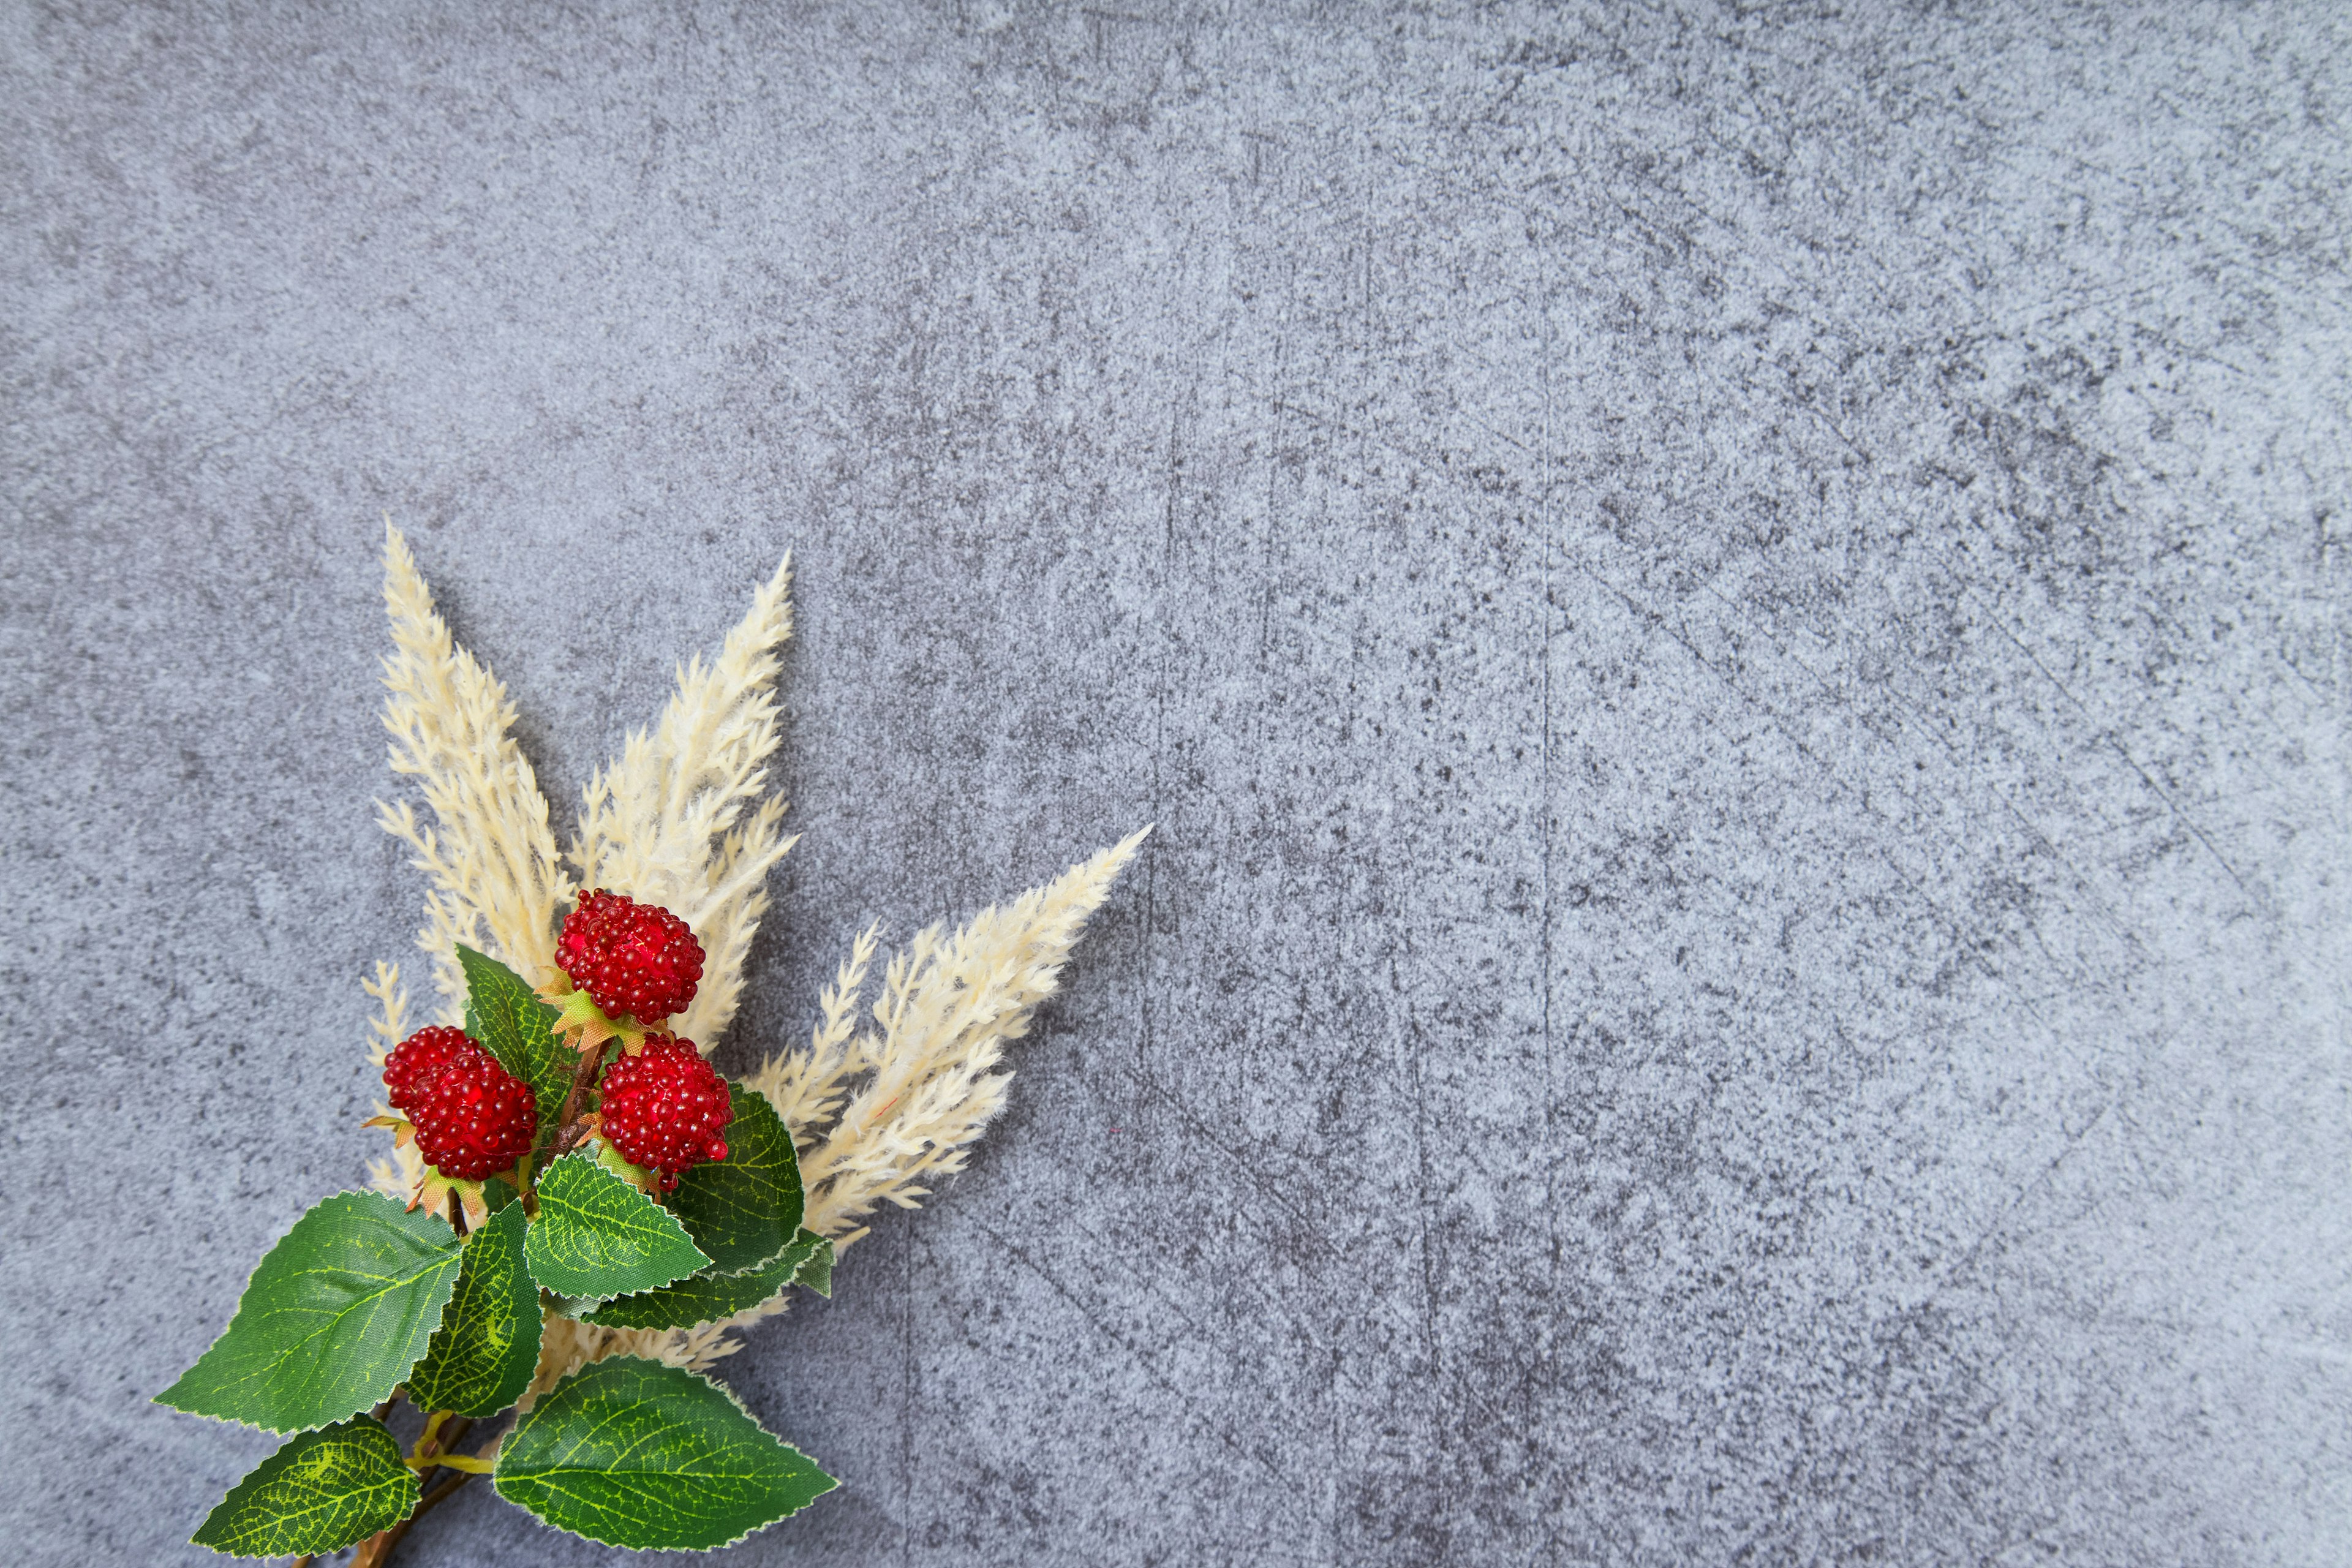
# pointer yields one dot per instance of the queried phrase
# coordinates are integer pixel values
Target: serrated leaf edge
(473, 1008)
(289, 1431)
(601, 1169)
(832, 1482)
(534, 1314)
(413, 1480)
(764, 1262)
(579, 1308)
(791, 1152)
(831, 1255)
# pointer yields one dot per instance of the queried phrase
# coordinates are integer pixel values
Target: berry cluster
(473, 1118)
(665, 1108)
(632, 958)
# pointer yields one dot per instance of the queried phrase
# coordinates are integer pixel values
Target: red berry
(420, 1058)
(473, 1118)
(665, 1108)
(629, 957)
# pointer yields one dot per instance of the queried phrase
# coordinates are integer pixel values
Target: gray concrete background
(1735, 621)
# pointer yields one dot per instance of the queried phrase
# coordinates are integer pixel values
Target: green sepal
(334, 1316)
(705, 1298)
(483, 1355)
(321, 1490)
(580, 1016)
(518, 1029)
(636, 1454)
(613, 1159)
(597, 1237)
(743, 1209)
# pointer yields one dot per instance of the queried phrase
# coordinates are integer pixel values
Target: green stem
(453, 1435)
(465, 1462)
(377, 1548)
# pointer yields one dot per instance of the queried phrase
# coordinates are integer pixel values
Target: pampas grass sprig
(681, 818)
(593, 1235)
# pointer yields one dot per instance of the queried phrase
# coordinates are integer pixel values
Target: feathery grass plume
(673, 822)
(948, 1007)
(665, 824)
(390, 1026)
(396, 1177)
(492, 859)
(810, 1088)
(566, 1344)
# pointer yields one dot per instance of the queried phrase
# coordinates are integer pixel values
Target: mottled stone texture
(1735, 621)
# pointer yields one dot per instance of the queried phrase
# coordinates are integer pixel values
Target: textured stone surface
(1734, 623)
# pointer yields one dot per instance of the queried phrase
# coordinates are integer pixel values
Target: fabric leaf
(707, 1298)
(636, 1454)
(331, 1321)
(518, 1029)
(816, 1270)
(597, 1237)
(323, 1490)
(744, 1210)
(487, 1348)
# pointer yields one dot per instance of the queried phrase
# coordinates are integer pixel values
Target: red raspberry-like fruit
(473, 1118)
(419, 1058)
(665, 1108)
(629, 957)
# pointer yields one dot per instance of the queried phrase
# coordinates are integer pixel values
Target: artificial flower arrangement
(578, 1210)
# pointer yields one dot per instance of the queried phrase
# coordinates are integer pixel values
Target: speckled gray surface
(1734, 622)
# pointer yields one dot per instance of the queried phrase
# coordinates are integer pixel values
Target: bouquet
(578, 1212)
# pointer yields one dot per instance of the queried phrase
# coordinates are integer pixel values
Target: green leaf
(633, 1453)
(707, 1298)
(323, 1490)
(516, 1027)
(483, 1356)
(331, 1322)
(817, 1272)
(597, 1237)
(743, 1210)
(613, 1159)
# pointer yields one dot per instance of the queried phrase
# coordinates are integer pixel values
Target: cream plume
(679, 819)
(496, 882)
